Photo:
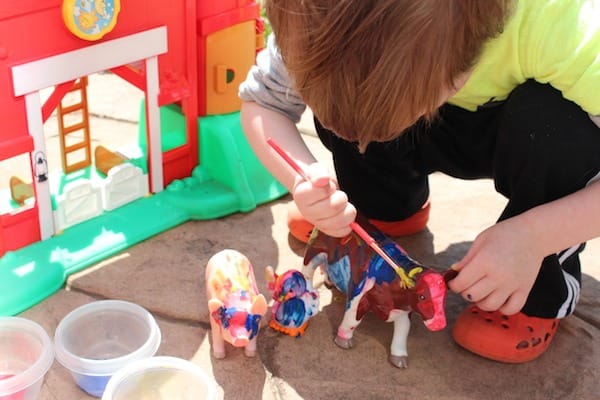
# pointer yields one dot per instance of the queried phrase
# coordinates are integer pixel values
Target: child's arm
(318, 199)
(260, 123)
(271, 108)
(501, 266)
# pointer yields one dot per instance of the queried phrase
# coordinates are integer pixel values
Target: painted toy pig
(370, 284)
(295, 301)
(234, 302)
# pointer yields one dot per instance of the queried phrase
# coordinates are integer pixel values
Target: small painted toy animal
(234, 302)
(370, 284)
(294, 301)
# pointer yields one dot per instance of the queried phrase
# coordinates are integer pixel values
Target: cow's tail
(313, 259)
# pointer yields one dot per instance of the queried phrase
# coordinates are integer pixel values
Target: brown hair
(369, 69)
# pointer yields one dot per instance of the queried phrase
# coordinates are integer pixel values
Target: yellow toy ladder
(73, 118)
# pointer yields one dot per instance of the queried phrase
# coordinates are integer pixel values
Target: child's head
(371, 68)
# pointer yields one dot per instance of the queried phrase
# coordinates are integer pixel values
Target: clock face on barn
(90, 19)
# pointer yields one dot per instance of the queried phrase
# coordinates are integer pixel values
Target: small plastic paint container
(97, 339)
(161, 378)
(26, 354)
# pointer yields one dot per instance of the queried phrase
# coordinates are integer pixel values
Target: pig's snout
(240, 341)
(240, 337)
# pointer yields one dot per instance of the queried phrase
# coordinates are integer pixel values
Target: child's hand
(500, 268)
(322, 204)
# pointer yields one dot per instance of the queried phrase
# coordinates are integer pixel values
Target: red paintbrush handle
(287, 158)
(360, 231)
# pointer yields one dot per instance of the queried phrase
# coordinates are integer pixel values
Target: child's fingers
(466, 278)
(479, 291)
(319, 175)
(319, 200)
(314, 185)
(329, 212)
(306, 193)
(338, 223)
(331, 206)
(455, 272)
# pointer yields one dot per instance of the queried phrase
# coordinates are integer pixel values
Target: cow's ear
(214, 305)
(259, 306)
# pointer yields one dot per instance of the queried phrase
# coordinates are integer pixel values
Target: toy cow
(370, 284)
(294, 301)
(234, 303)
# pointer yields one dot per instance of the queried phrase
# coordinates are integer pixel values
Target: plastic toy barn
(191, 159)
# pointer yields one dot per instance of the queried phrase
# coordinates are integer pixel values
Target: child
(474, 89)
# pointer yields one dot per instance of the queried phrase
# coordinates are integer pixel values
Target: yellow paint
(231, 276)
(407, 280)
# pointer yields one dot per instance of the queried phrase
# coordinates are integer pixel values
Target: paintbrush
(364, 235)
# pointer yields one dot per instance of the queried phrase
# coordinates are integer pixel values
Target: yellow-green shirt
(551, 41)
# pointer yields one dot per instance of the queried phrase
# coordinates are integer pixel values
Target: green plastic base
(30, 274)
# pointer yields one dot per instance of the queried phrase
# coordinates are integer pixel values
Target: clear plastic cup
(161, 378)
(97, 339)
(26, 354)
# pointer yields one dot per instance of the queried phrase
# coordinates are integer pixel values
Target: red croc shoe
(413, 224)
(301, 229)
(506, 338)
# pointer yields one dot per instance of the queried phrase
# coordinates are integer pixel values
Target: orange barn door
(229, 55)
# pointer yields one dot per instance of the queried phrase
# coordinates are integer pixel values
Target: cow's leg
(218, 343)
(398, 349)
(350, 322)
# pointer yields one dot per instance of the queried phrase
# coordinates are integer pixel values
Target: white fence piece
(79, 201)
(123, 184)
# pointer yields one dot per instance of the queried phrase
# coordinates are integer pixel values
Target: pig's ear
(214, 305)
(270, 277)
(259, 306)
